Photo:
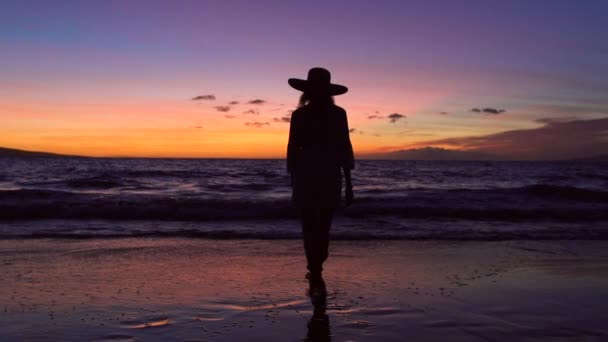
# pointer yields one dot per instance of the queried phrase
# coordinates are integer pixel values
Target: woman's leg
(325, 218)
(310, 221)
(316, 223)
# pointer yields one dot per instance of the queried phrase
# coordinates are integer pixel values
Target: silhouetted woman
(319, 150)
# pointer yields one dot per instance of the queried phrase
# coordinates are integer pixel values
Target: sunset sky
(517, 79)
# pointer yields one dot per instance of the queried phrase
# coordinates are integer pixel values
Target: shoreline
(387, 228)
(133, 289)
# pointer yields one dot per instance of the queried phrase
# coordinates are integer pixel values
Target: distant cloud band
(556, 139)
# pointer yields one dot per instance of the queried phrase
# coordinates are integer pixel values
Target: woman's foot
(316, 283)
(313, 276)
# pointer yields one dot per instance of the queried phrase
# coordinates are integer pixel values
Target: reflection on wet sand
(318, 325)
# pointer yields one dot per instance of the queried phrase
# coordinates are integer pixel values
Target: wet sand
(161, 289)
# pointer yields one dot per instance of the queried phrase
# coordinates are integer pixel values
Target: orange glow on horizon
(179, 127)
(170, 129)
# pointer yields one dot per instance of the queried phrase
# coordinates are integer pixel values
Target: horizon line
(365, 156)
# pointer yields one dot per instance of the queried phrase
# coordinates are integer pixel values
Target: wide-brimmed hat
(318, 83)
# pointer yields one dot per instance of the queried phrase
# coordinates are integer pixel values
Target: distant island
(439, 154)
(431, 153)
(15, 153)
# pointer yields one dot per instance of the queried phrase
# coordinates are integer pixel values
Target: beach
(180, 289)
(164, 164)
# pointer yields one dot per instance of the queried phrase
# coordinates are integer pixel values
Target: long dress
(319, 146)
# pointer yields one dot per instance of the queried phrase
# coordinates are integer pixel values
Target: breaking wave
(536, 202)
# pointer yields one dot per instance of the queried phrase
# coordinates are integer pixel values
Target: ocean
(241, 198)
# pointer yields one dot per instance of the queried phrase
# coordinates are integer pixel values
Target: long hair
(306, 98)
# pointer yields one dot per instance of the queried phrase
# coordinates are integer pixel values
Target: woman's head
(308, 98)
(317, 88)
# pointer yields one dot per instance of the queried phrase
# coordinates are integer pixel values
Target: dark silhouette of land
(432, 153)
(15, 153)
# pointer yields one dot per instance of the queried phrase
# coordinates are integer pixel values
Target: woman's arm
(348, 163)
(293, 146)
(348, 191)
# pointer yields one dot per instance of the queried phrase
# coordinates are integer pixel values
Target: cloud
(282, 119)
(257, 124)
(556, 139)
(391, 117)
(546, 121)
(443, 113)
(488, 111)
(286, 118)
(208, 97)
(395, 117)
(493, 111)
(257, 102)
(223, 109)
(251, 111)
(229, 116)
(352, 130)
(197, 127)
(233, 103)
